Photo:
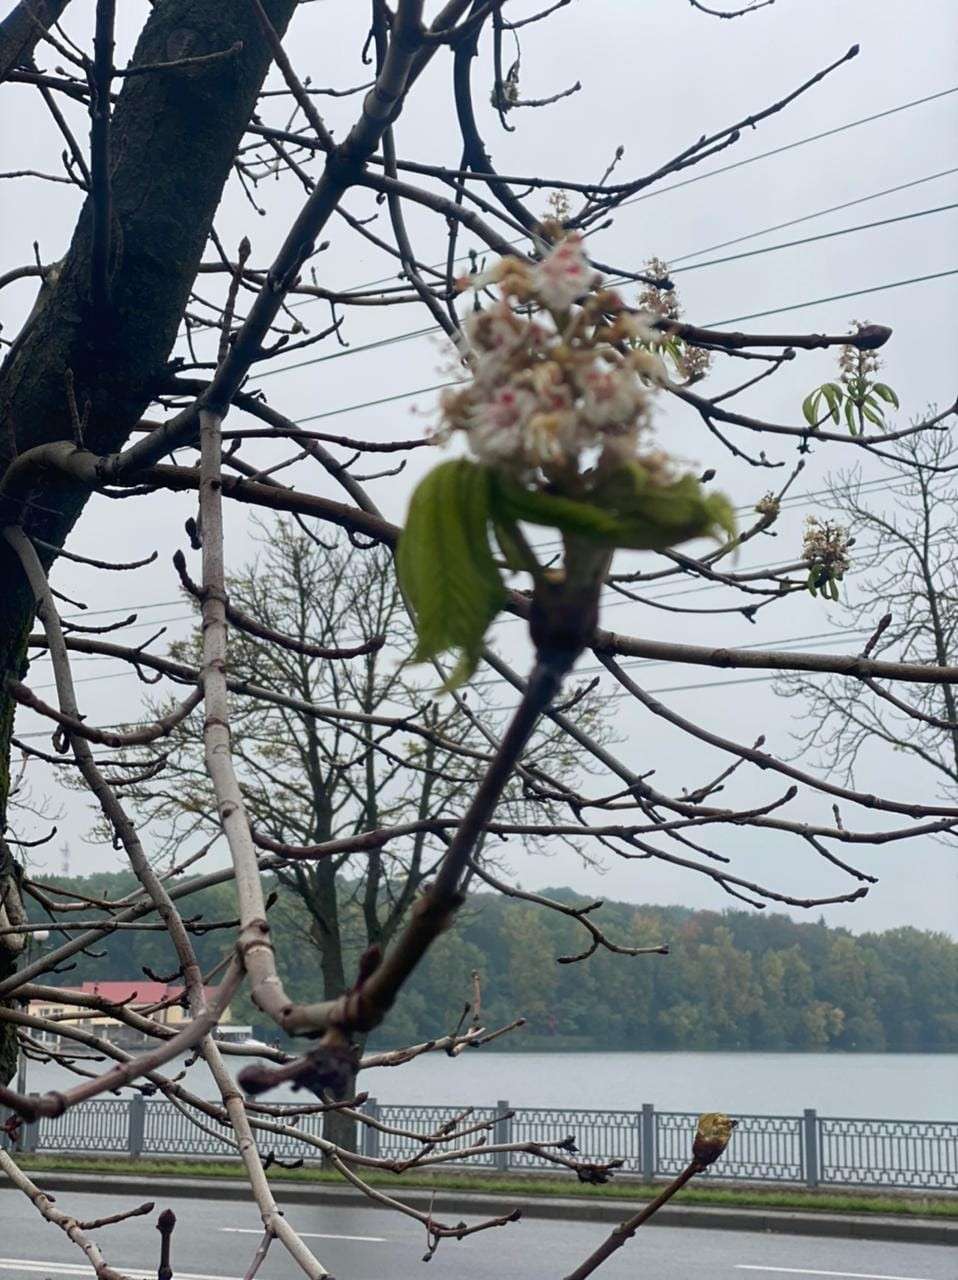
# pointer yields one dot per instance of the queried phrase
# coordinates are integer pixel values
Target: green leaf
(626, 510)
(809, 405)
(510, 543)
(511, 502)
(833, 395)
(886, 393)
(445, 564)
(850, 417)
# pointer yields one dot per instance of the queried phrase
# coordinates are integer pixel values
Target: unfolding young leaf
(445, 564)
(627, 510)
(886, 393)
(810, 406)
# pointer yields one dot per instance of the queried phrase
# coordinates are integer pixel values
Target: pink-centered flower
(610, 397)
(564, 275)
(552, 438)
(497, 425)
(496, 330)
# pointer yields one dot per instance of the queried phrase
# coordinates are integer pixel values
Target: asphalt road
(215, 1240)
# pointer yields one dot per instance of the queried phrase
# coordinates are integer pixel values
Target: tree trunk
(174, 136)
(339, 1128)
(21, 29)
(11, 912)
(324, 908)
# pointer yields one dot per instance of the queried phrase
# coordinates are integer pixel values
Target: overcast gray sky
(655, 76)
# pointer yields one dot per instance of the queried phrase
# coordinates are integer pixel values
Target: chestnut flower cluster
(856, 396)
(556, 417)
(825, 547)
(556, 390)
(691, 363)
(857, 366)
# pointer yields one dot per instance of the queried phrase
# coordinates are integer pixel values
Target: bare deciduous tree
(135, 374)
(905, 591)
(334, 762)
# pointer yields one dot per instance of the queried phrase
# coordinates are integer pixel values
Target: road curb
(449, 1202)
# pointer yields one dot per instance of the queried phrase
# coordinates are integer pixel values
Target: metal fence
(806, 1149)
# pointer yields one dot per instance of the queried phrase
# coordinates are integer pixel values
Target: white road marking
(802, 1271)
(307, 1235)
(28, 1265)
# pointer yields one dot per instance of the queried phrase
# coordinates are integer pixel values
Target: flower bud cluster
(691, 363)
(856, 365)
(768, 506)
(826, 546)
(562, 371)
(711, 1137)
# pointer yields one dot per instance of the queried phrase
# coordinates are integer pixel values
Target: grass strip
(823, 1200)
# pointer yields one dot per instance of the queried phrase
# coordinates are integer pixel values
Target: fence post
(30, 1134)
(371, 1135)
(810, 1144)
(647, 1131)
(503, 1133)
(136, 1125)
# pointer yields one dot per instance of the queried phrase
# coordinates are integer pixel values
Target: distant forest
(732, 980)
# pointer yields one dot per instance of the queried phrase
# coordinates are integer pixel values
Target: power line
(613, 694)
(711, 173)
(843, 635)
(371, 404)
(838, 297)
(799, 499)
(789, 146)
(794, 500)
(96, 613)
(819, 213)
(411, 334)
(774, 311)
(406, 336)
(789, 645)
(825, 235)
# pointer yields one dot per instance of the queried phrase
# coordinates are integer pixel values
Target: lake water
(880, 1086)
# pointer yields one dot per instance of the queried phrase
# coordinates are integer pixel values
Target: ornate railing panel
(598, 1135)
(800, 1148)
(763, 1148)
(168, 1132)
(889, 1153)
(101, 1125)
(428, 1120)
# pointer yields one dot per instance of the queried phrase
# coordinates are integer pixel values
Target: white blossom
(610, 396)
(553, 439)
(564, 275)
(556, 389)
(498, 423)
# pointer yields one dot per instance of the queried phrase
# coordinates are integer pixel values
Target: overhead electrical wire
(789, 501)
(838, 297)
(825, 235)
(842, 636)
(852, 124)
(751, 235)
(790, 146)
(412, 334)
(711, 173)
(819, 213)
(773, 311)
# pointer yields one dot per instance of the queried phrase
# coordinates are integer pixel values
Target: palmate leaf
(445, 564)
(627, 510)
(886, 393)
